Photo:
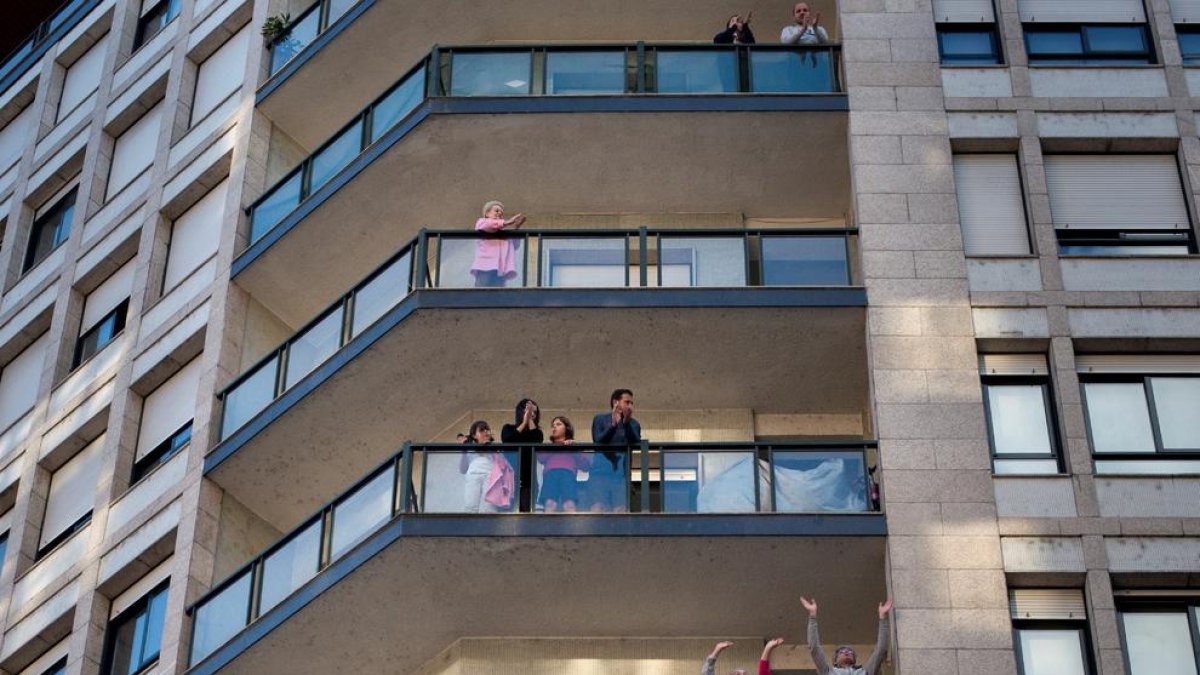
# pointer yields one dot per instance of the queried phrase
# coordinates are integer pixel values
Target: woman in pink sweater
(560, 482)
(495, 257)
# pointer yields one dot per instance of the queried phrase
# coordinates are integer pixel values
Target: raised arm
(820, 662)
(764, 661)
(710, 663)
(881, 643)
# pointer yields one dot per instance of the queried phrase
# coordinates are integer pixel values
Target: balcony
(43, 38)
(535, 126)
(380, 358)
(401, 533)
(339, 54)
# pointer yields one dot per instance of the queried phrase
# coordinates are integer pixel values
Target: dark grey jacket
(824, 667)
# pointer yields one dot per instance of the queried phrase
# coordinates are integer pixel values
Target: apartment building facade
(913, 312)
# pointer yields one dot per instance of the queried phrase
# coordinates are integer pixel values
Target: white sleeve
(790, 35)
(822, 36)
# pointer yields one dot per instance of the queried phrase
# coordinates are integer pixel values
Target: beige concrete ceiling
(414, 598)
(393, 35)
(438, 363)
(760, 164)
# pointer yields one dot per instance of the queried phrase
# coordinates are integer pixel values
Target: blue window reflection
(585, 72)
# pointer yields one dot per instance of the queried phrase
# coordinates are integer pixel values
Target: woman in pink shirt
(560, 483)
(495, 257)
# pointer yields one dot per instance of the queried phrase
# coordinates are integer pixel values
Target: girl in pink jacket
(495, 257)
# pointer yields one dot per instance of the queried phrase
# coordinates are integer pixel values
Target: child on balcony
(560, 477)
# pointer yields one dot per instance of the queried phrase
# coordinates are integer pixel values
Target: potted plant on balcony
(275, 26)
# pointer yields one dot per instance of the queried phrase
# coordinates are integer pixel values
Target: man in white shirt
(807, 29)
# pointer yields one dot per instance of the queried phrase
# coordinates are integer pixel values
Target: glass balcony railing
(667, 478)
(644, 258)
(305, 28)
(45, 36)
(616, 70)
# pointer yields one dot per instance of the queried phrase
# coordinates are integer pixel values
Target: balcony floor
(404, 596)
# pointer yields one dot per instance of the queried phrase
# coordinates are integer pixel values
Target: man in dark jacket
(607, 485)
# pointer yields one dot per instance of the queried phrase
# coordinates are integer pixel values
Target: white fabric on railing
(822, 488)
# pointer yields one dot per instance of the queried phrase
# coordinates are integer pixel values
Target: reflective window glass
(397, 104)
(579, 262)
(1189, 46)
(361, 513)
(1052, 652)
(220, 618)
(1054, 42)
(290, 566)
(701, 261)
(1158, 642)
(585, 72)
(1177, 407)
(1118, 417)
(709, 482)
(696, 72)
(299, 35)
(804, 261)
(791, 71)
(1018, 419)
(337, 154)
(1115, 39)
(968, 46)
(490, 74)
(280, 201)
(249, 397)
(814, 482)
(387, 288)
(312, 347)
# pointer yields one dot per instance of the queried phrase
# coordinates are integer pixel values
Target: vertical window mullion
(1148, 391)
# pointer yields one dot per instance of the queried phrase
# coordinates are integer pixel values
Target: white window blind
(112, 292)
(168, 408)
(963, 11)
(1125, 192)
(1013, 364)
(82, 78)
(19, 381)
(195, 235)
(14, 136)
(1138, 364)
(134, 151)
(990, 208)
(1082, 11)
(220, 75)
(140, 588)
(1185, 11)
(72, 491)
(1047, 603)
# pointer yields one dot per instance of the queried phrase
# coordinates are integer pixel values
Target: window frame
(1123, 242)
(135, 613)
(64, 206)
(58, 667)
(1188, 29)
(989, 28)
(1047, 385)
(1190, 607)
(162, 453)
(1160, 453)
(1081, 626)
(117, 316)
(150, 24)
(1086, 54)
(63, 536)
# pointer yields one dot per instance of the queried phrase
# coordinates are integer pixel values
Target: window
(133, 152)
(81, 79)
(19, 382)
(51, 227)
(155, 17)
(72, 494)
(104, 313)
(97, 337)
(1141, 412)
(132, 643)
(59, 668)
(5, 525)
(14, 136)
(1161, 636)
(1090, 45)
(1118, 205)
(968, 45)
(1019, 404)
(220, 75)
(991, 209)
(194, 236)
(166, 424)
(1050, 631)
(1189, 44)
(966, 32)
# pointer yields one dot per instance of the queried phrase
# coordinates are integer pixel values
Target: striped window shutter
(1115, 192)
(963, 11)
(1138, 364)
(1047, 603)
(990, 207)
(1082, 11)
(1013, 364)
(1185, 11)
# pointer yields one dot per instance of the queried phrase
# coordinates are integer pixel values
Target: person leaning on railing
(606, 478)
(845, 660)
(560, 473)
(806, 29)
(764, 661)
(495, 258)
